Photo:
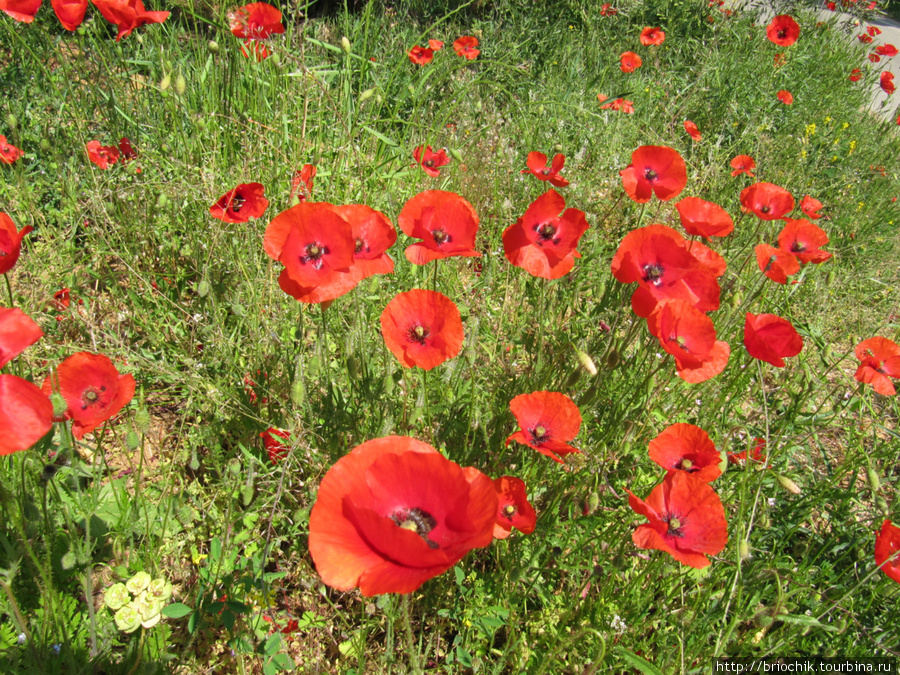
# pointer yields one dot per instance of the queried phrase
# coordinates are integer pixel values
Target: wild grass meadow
(494, 336)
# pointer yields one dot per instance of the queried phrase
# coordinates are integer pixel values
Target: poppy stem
(9, 292)
(414, 655)
(540, 340)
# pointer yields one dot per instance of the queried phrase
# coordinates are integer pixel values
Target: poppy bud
(763, 619)
(389, 383)
(161, 201)
(67, 562)
(142, 420)
(352, 367)
(366, 95)
(275, 59)
(826, 353)
(586, 361)
(180, 84)
(345, 44)
(557, 148)
(379, 99)
(298, 393)
(45, 144)
(829, 278)
(788, 484)
(874, 480)
(882, 505)
(203, 288)
(736, 300)
(212, 46)
(165, 82)
(457, 155)
(651, 386)
(593, 502)
(194, 463)
(59, 405)
(11, 121)
(247, 494)
(412, 90)
(764, 521)
(234, 467)
(132, 440)
(744, 550)
(613, 359)
(572, 379)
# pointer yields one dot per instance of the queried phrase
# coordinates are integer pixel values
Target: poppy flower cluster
(686, 517)
(799, 243)
(394, 512)
(126, 15)
(547, 420)
(467, 47)
(422, 56)
(104, 156)
(879, 362)
(327, 250)
(8, 152)
(543, 241)
(253, 23)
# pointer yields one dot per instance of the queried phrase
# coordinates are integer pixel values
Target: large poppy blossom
(8, 152)
(430, 160)
(93, 389)
(689, 335)
(21, 10)
(652, 36)
(687, 519)
(128, 15)
(26, 414)
(373, 234)
(685, 447)
(629, 62)
(393, 513)
(543, 240)
(767, 201)
(17, 332)
(879, 362)
(240, 204)
(656, 257)
(315, 244)
(704, 219)
(804, 240)
(887, 550)
(776, 263)
(70, 12)
(422, 328)
(445, 222)
(783, 30)
(255, 21)
(654, 169)
(513, 510)
(466, 47)
(886, 82)
(770, 338)
(743, 164)
(10, 242)
(102, 155)
(547, 421)
(537, 167)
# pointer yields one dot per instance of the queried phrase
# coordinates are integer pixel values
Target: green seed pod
(788, 485)
(744, 550)
(275, 59)
(345, 44)
(203, 288)
(366, 95)
(234, 467)
(142, 420)
(180, 84)
(874, 480)
(213, 47)
(132, 440)
(165, 82)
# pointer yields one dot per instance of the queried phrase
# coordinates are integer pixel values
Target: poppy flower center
(650, 174)
(539, 434)
(782, 33)
(90, 397)
(429, 163)
(545, 171)
(440, 236)
(687, 464)
(237, 203)
(314, 253)
(675, 528)
(418, 521)
(360, 245)
(509, 511)
(653, 273)
(765, 208)
(546, 231)
(418, 333)
(798, 247)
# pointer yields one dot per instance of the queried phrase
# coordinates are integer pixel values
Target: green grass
(191, 307)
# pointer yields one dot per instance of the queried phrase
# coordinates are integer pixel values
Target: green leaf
(636, 661)
(176, 610)
(804, 620)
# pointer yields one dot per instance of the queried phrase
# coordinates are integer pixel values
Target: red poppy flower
(466, 47)
(783, 30)
(785, 97)
(93, 389)
(629, 62)
(256, 21)
(873, 30)
(652, 36)
(743, 164)
(880, 361)
(770, 338)
(393, 513)
(513, 510)
(422, 328)
(445, 222)
(8, 152)
(654, 169)
(689, 335)
(127, 15)
(886, 81)
(776, 263)
(256, 50)
(886, 50)
(704, 219)
(537, 167)
(70, 12)
(804, 240)
(127, 151)
(618, 104)
(10, 242)
(692, 130)
(420, 55)
(302, 183)
(431, 161)
(757, 454)
(17, 332)
(712, 260)
(315, 244)
(102, 155)
(608, 10)
(543, 240)
(62, 299)
(687, 519)
(855, 75)
(865, 39)
(26, 414)
(810, 207)
(685, 447)
(874, 58)
(887, 548)
(373, 234)
(655, 256)
(767, 201)
(272, 440)
(240, 204)
(547, 421)
(21, 10)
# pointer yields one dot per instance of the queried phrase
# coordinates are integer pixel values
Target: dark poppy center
(237, 203)
(91, 396)
(539, 434)
(650, 174)
(653, 273)
(675, 527)
(418, 521)
(509, 511)
(782, 33)
(429, 163)
(545, 171)
(765, 208)
(360, 244)
(798, 247)
(546, 231)
(440, 236)
(418, 333)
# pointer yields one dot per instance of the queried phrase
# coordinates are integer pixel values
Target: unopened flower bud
(180, 84)
(275, 59)
(874, 480)
(788, 484)
(345, 44)
(613, 359)
(366, 95)
(212, 46)
(12, 121)
(744, 549)
(456, 154)
(882, 505)
(763, 619)
(59, 405)
(45, 144)
(352, 367)
(246, 495)
(132, 440)
(142, 420)
(165, 82)
(586, 361)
